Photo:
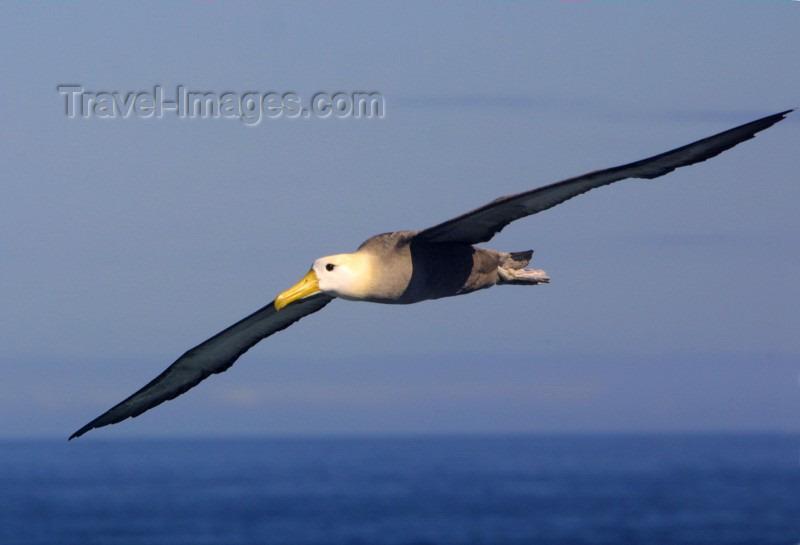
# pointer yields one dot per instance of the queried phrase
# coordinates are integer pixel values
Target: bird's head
(344, 275)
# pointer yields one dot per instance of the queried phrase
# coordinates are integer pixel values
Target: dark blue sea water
(715, 489)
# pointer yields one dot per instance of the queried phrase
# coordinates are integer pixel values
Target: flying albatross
(410, 266)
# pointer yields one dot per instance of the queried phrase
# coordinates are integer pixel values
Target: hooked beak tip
(307, 285)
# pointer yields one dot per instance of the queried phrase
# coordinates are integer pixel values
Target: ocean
(481, 490)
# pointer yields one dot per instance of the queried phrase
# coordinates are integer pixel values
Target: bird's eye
(330, 267)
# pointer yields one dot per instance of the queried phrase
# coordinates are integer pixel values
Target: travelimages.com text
(251, 107)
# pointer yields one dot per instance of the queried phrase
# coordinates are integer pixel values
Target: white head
(344, 275)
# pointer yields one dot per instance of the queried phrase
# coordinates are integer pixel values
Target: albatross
(406, 267)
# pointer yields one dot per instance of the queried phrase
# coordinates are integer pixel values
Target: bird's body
(406, 267)
(402, 269)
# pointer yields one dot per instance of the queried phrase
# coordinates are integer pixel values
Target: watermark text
(250, 108)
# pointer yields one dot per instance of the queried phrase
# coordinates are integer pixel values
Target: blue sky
(125, 242)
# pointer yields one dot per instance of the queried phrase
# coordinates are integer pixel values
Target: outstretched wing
(481, 224)
(213, 356)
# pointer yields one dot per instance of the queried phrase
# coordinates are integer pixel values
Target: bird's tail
(512, 271)
(516, 260)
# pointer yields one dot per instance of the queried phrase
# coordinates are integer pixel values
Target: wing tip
(98, 422)
(781, 115)
(770, 120)
(764, 123)
(80, 432)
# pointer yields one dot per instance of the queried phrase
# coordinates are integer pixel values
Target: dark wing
(213, 356)
(482, 224)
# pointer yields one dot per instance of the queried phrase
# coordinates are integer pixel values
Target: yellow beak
(308, 284)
